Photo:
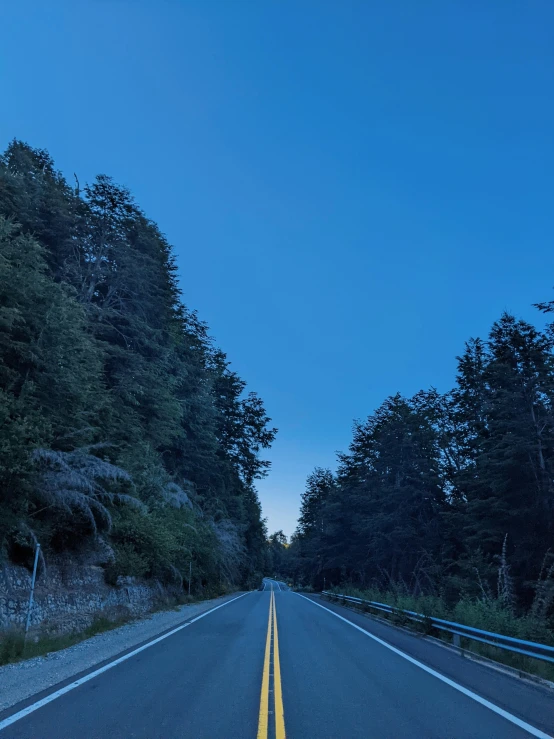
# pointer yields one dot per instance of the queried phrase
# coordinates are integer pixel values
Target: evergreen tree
(37, 196)
(123, 425)
(446, 494)
(50, 376)
(509, 484)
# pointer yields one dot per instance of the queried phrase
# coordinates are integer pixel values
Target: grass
(14, 648)
(487, 616)
(174, 602)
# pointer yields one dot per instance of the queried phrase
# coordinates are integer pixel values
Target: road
(276, 585)
(274, 663)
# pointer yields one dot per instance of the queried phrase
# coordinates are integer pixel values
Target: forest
(445, 501)
(126, 439)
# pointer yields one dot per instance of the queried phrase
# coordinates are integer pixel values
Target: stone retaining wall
(69, 597)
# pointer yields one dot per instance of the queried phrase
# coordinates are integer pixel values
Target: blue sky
(353, 189)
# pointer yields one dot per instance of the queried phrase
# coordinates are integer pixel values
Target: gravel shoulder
(21, 680)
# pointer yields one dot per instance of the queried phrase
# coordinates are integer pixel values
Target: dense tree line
(124, 432)
(277, 555)
(447, 494)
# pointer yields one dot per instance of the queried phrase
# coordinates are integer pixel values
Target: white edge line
(469, 693)
(62, 691)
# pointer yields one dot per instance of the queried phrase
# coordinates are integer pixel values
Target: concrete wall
(68, 597)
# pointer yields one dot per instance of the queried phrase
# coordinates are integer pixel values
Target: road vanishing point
(272, 664)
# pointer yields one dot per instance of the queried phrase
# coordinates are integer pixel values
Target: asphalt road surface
(275, 663)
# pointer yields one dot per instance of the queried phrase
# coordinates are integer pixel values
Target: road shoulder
(532, 702)
(22, 680)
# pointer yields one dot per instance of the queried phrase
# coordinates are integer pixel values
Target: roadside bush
(145, 546)
(491, 616)
(487, 615)
(128, 562)
(11, 646)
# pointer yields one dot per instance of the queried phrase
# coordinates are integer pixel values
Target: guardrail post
(456, 641)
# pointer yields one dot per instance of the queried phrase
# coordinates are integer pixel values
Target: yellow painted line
(264, 697)
(278, 693)
(265, 708)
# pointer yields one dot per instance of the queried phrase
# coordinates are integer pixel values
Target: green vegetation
(446, 501)
(14, 648)
(491, 616)
(123, 431)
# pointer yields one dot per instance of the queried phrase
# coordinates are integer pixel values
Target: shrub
(11, 646)
(128, 562)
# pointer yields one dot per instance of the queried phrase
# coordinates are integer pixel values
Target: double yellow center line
(271, 681)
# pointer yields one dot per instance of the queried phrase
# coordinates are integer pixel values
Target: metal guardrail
(528, 648)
